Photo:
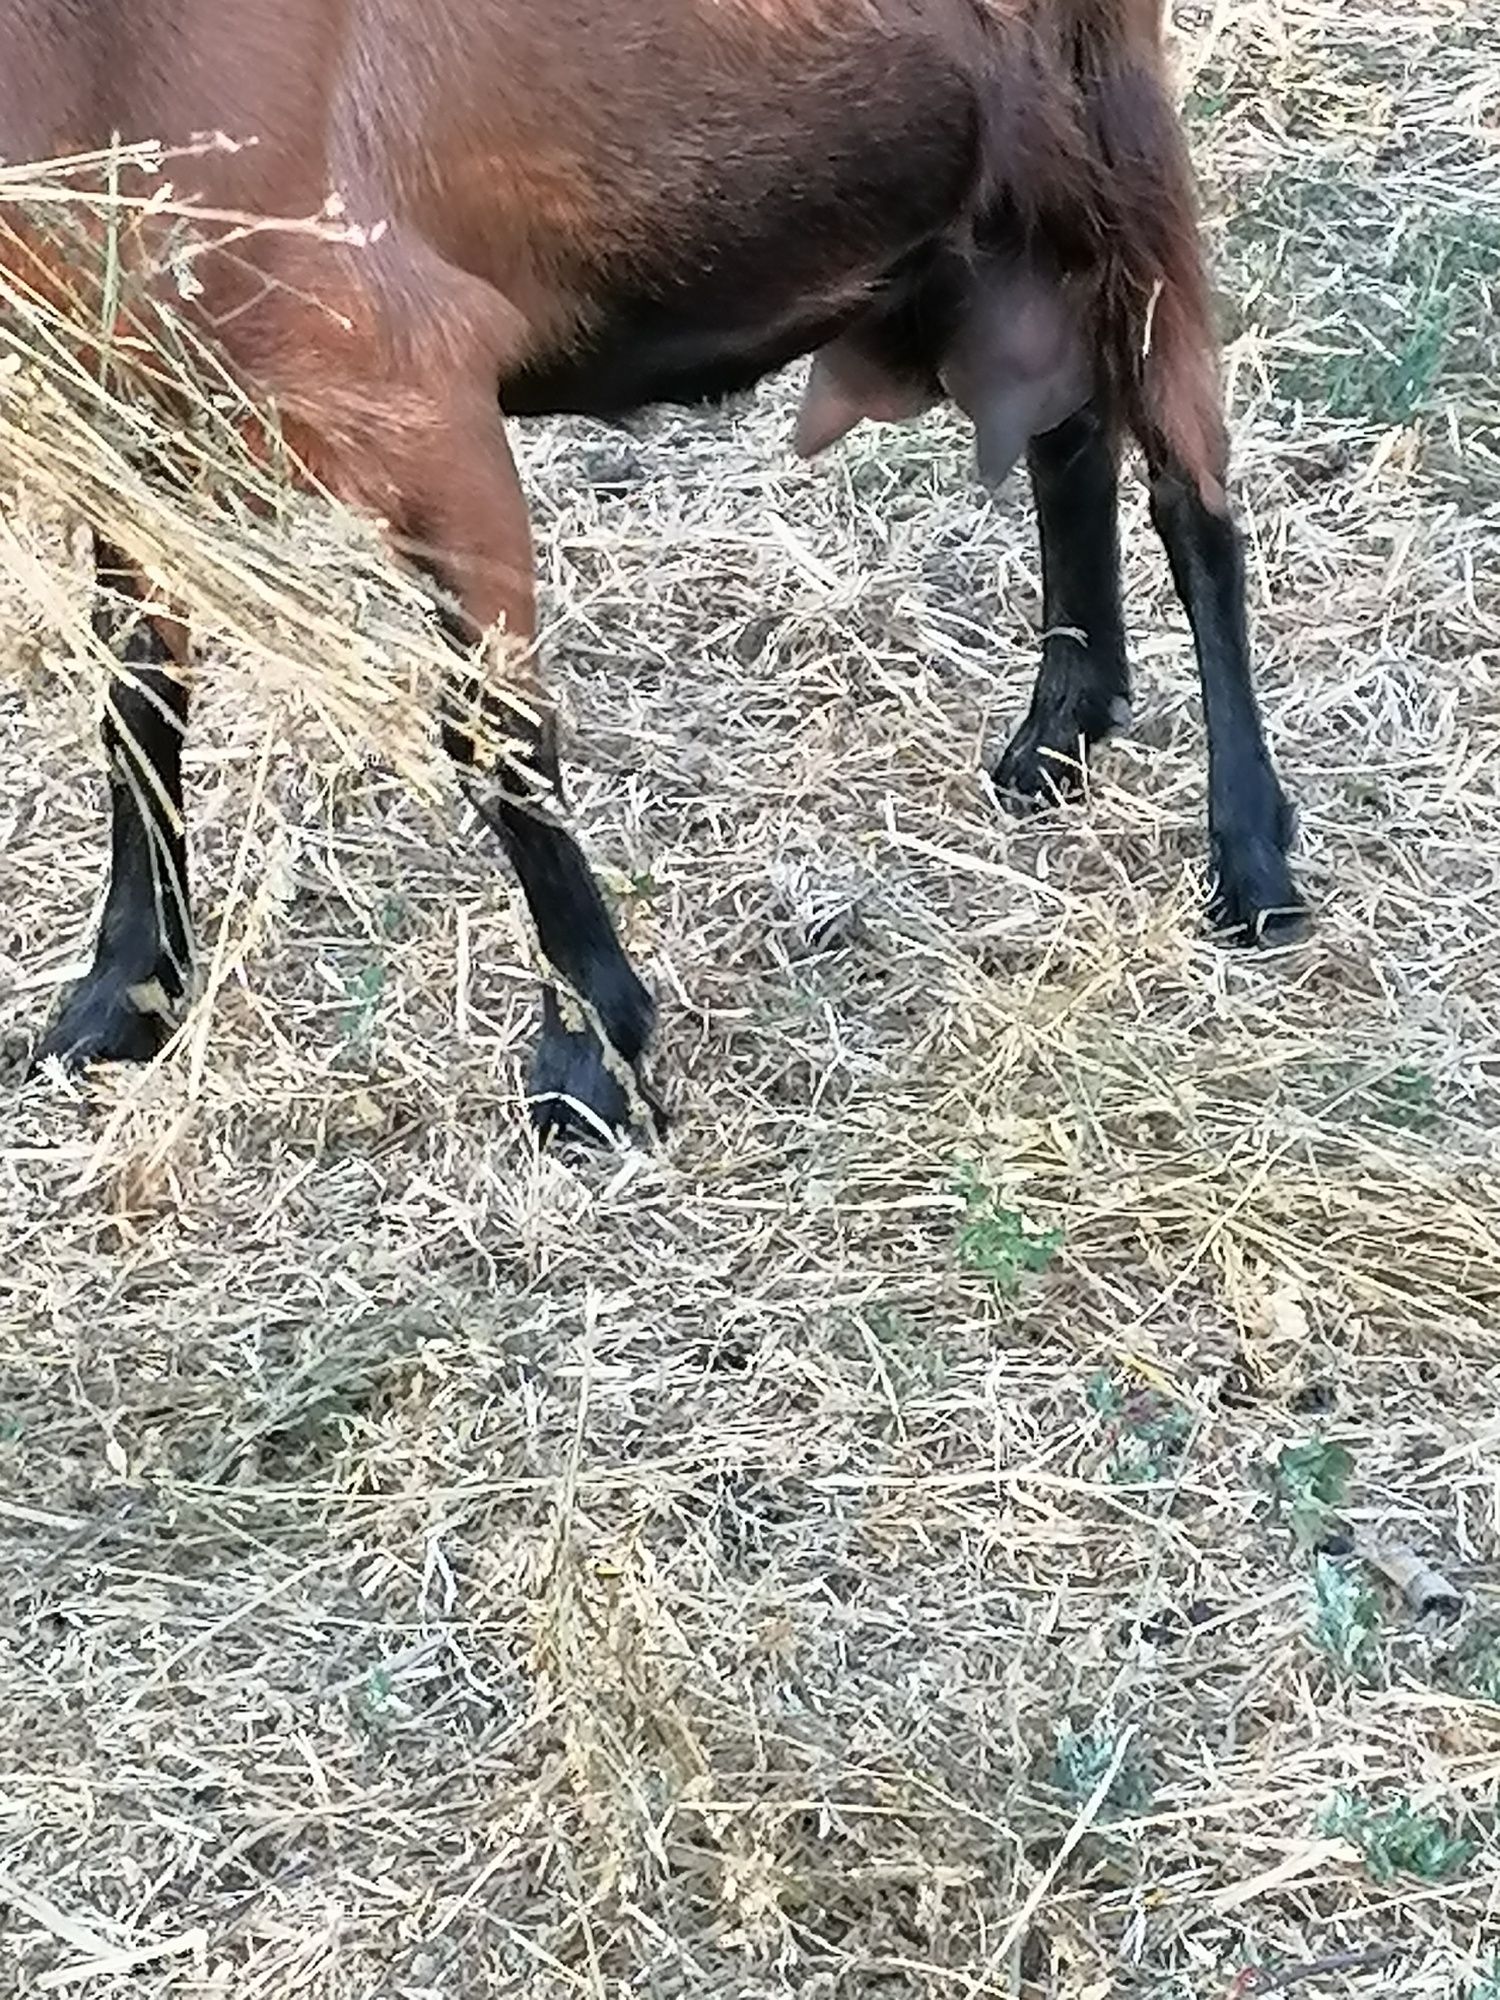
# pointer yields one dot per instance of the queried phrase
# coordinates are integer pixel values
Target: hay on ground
(904, 1538)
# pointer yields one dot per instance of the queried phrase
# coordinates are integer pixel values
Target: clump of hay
(114, 410)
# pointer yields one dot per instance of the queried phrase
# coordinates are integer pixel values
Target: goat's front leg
(129, 1002)
(598, 1017)
(597, 1022)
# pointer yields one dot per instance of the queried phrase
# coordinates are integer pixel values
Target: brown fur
(530, 165)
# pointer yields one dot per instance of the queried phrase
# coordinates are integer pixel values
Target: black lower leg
(129, 1002)
(1083, 688)
(1249, 820)
(596, 1028)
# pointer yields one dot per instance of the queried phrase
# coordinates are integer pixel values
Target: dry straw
(431, 1569)
(114, 410)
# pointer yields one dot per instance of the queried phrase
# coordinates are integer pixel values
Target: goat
(596, 205)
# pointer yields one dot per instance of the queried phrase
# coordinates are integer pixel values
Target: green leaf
(1313, 1480)
(1345, 1616)
(1316, 1470)
(995, 1241)
(1104, 1395)
(1397, 1840)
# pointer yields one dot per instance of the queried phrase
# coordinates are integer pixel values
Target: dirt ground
(936, 1528)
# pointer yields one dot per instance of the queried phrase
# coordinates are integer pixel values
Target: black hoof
(101, 1022)
(576, 1091)
(1044, 762)
(1253, 899)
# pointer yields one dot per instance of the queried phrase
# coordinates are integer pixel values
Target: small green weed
(1206, 101)
(1424, 279)
(995, 1241)
(1473, 1667)
(1397, 1840)
(358, 1019)
(374, 1699)
(1153, 1444)
(1485, 1985)
(1081, 1759)
(1312, 1479)
(1407, 1099)
(1104, 1395)
(1148, 1431)
(1392, 383)
(1345, 1617)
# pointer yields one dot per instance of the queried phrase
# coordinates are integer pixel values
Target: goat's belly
(688, 348)
(734, 303)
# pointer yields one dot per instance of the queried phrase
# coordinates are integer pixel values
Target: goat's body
(620, 204)
(523, 145)
(594, 205)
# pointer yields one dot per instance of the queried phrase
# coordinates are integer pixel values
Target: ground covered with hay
(979, 1513)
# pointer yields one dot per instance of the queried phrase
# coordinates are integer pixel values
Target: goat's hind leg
(1019, 364)
(1082, 691)
(1253, 898)
(128, 1003)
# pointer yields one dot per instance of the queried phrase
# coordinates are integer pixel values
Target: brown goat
(593, 205)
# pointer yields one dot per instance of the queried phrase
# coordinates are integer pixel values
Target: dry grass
(88, 419)
(436, 1570)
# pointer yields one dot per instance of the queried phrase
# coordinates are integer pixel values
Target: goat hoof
(1032, 776)
(103, 1020)
(1254, 900)
(1044, 762)
(575, 1094)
